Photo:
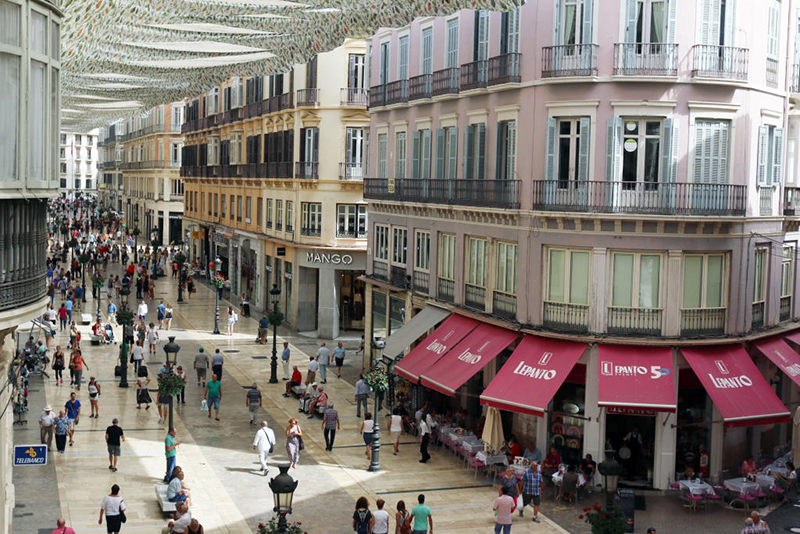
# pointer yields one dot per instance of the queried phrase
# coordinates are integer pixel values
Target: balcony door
(649, 25)
(567, 161)
(354, 153)
(574, 20)
(711, 153)
(355, 71)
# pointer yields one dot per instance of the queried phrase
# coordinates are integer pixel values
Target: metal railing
(772, 72)
(354, 96)
(474, 75)
(712, 61)
(645, 59)
(311, 232)
(308, 170)
(377, 96)
(444, 81)
(397, 92)
(279, 169)
(565, 317)
(421, 281)
(133, 165)
(398, 276)
(350, 233)
(641, 321)
(640, 197)
(351, 171)
(765, 201)
(504, 69)
(504, 305)
(446, 290)
(703, 321)
(758, 315)
(285, 101)
(19, 293)
(308, 97)
(380, 270)
(419, 87)
(795, 85)
(485, 193)
(786, 308)
(569, 60)
(254, 109)
(475, 297)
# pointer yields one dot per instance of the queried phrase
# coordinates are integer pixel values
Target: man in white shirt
(141, 311)
(313, 367)
(46, 421)
(424, 439)
(323, 358)
(263, 443)
(183, 518)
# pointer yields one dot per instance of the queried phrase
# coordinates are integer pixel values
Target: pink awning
(782, 355)
(435, 346)
(735, 385)
(636, 377)
(532, 375)
(474, 352)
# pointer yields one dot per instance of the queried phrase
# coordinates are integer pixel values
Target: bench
(299, 390)
(86, 319)
(96, 340)
(161, 494)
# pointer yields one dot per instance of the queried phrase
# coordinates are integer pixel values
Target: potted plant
(605, 521)
(272, 528)
(376, 379)
(218, 281)
(170, 384)
(98, 281)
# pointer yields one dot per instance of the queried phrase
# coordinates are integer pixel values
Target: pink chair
(690, 500)
(477, 464)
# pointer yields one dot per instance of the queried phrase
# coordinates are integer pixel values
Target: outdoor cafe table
(765, 481)
(697, 488)
(472, 445)
(742, 487)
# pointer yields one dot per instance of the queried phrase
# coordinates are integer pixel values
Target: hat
(314, 384)
(48, 408)
(201, 349)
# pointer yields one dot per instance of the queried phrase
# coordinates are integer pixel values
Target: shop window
(567, 423)
(397, 314)
(695, 412)
(351, 220)
(379, 318)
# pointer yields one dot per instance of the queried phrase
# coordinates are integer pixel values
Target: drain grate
(230, 351)
(260, 357)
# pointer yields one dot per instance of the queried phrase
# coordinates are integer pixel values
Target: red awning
(426, 354)
(782, 355)
(735, 385)
(532, 375)
(468, 357)
(636, 377)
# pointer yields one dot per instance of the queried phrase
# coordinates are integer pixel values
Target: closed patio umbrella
(493, 437)
(795, 436)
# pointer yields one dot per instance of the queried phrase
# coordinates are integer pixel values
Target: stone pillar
(594, 435)
(598, 312)
(7, 493)
(328, 311)
(673, 300)
(306, 289)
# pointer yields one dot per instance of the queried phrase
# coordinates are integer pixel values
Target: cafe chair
(713, 498)
(690, 500)
(569, 491)
(777, 493)
(477, 464)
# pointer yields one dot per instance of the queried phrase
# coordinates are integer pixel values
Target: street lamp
(375, 457)
(273, 372)
(610, 470)
(283, 487)
(181, 280)
(217, 291)
(171, 351)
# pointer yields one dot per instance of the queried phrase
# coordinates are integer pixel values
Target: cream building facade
(78, 157)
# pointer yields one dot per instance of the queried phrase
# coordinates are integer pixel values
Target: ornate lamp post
(218, 288)
(124, 318)
(283, 487)
(135, 234)
(275, 318)
(171, 351)
(83, 259)
(180, 259)
(98, 282)
(610, 470)
(377, 381)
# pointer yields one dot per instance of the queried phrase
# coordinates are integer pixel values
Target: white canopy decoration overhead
(155, 51)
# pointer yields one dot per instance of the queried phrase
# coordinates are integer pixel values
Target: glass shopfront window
(567, 424)
(397, 314)
(378, 315)
(695, 412)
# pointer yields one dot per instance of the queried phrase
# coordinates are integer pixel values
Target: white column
(673, 300)
(594, 434)
(598, 313)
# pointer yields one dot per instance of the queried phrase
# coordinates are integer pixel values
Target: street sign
(280, 251)
(30, 455)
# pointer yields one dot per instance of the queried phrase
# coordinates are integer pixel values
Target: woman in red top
(78, 364)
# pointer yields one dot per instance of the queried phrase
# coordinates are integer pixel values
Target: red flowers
(580, 516)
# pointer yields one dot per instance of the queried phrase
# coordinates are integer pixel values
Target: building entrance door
(633, 439)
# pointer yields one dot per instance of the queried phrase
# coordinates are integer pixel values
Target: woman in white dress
(232, 318)
(152, 337)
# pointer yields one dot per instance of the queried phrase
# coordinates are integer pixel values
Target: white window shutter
(511, 150)
(673, 168)
(613, 149)
(761, 161)
(730, 15)
(426, 154)
(630, 20)
(666, 150)
(588, 21)
(585, 148)
(416, 154)
(777, 156)
(480, 159)
(469, 152)
(700, 151)
(672, 22)
(440, 154)
(557, 24)
(452, 152)
(550, 150)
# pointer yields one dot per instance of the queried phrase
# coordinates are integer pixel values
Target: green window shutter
(558, 22)
(579, 278)
(426, 154)
(631, 8)
(555, 276)
(469, 153)
(666, 150)
(622, 289)
(480, 163)
(672, 21)
(763, 153)
(452, 153)
(584, 149)
(511, 150)
(416, 150)
(440, 154)
(588, 21)
(777, 156)
(692, 281)
(714, 282)
(550, 150)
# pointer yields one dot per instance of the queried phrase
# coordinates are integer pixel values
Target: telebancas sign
(30, 455)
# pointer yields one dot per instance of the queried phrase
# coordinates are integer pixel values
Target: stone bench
(299, 390)
(86, 319)
(161, 494)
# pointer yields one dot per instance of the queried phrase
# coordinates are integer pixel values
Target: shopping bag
(204, 406)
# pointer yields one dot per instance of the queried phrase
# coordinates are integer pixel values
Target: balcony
(475, 297)
(445, 82)
(254, 109)
(758, 315)
(231, 171)
(306, 170)
(690, 199)
(791, 201)
(447, 290)
(421, 281)
(786, 308)
(354, 96)
(726, 62)
(565, 317)
(772, 72)
(504, 69)
(351, 232)
(232, 115)
(795, 85)
(278, 169)
(351, 171)
(380, 270)
(20, 293)
(703, 322)
(765, 194)
(377, 96)
(141, 165)
(504, 305)
(645, 59)
(399, 278)
(481, 193)
(634, 321)
(397, 92)
(311, 231)
(285, 101)
(474, 75)
(419, 87)
(308, 98)
(569, 60)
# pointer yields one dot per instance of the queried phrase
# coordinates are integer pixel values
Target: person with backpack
(264, 443)
(362, 517)
(402, 519)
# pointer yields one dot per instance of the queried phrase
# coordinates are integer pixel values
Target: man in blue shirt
(73, 406)
(78, 292)
(69, 310)
(338, 355)
(532, 484)
(263, 330)
(161, 309)
(112, 310)
(285, 359)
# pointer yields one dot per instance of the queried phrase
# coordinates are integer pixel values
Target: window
(480, 50)
(641, 151)
(447, 256)
(78, 140)
(216, 200)
(381, 242)
(311, 73)
(636, 280)
(311, 219)
(259, 212)
(382, 154)
(787, 271)
(711, 145)
(309, 148)
(239, 208)
(384, 72)
(476, 262)
(451, 54)
(402, 63)
(509, 32)
(351, 220)
(568, 277)
(222, 206)
(426, 57)
(475, 152)
(289, 215)
(506, 150)
(399, 245)
(770, 155)
(278, 214)
(446, 153)
(175, 154)
(88, 184)
(716, 22)
(567, 158)
(421, 154)
(37, 122)
(355, 71)
(507, 268)
(773, 28)
(400, 155)
(63, 168)
(760, 276)
(269, 213)
(422, 250)
(354, 151)
(703, 281)
(77, 184)
(5, 6)
(648, 23)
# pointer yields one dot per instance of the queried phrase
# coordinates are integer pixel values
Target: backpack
(405, 526)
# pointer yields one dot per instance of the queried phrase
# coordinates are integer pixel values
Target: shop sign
(390, 186)
(30, 455)
(608, 368)
(195, 235)
(624, 410)
(280, 251)
(329, 258)
(220, 239)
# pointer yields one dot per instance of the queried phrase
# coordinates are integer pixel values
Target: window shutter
(415, 155)
(315, 145)
(469, 153)
(511, 149)
(441, 150)
(702, 142)
(452, 152)
(558, 22)
(351, 71)
(480, 171)
(348, 151)
(666, 150)
(763, 147)
(722, 150)
(550, 150)
(730, 8)
(513, 31)
(673, 169)
(630, 20)
(777, 156)
(426, 154)
(585, 148)
(588, 21)
(672, 21)
(613, 148)
(302, 145)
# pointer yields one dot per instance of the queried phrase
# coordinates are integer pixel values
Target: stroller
(109, 333)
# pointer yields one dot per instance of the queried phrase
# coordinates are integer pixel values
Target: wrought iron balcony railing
(354, 96)
(474, 75)
(419, 87)
(445, 82)
(308, 98)
(351, 171)
(484, 193)
(712, 61)
(504, 69)
(307, 170)
(645, 59)
(703, 321)
(639, 321)
(565, 317)
(569, 60)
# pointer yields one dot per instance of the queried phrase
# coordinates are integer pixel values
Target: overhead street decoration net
(119, 56)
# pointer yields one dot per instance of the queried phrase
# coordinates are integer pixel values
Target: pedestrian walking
(161, 313)
(532, 485)
(217, 361)
(380, 523)
(142, 395)
(252, 402)
(78, 364)
(62, 528)
(180, 373)
(168, 315)
(264, 443)
(330, 424)
(213, 395)
(113, 506)
(362, 394)
(46, 420)
(94, 395)
(61, 425)
(402, 519)
(114, 434)
(294, 441)
(59, 365)
(62, 317)
(503, 506)
(313, 367)
(232, 318)
(338, 356)
(285, 355)
(152, 337)
(142, 310)
(200, 366)
(323, 358)
(74, 336)
(170, 452)
(396, 429)
(73, 407)
(424, 439)
(362, 517)
(423, 517)
(367, 427)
